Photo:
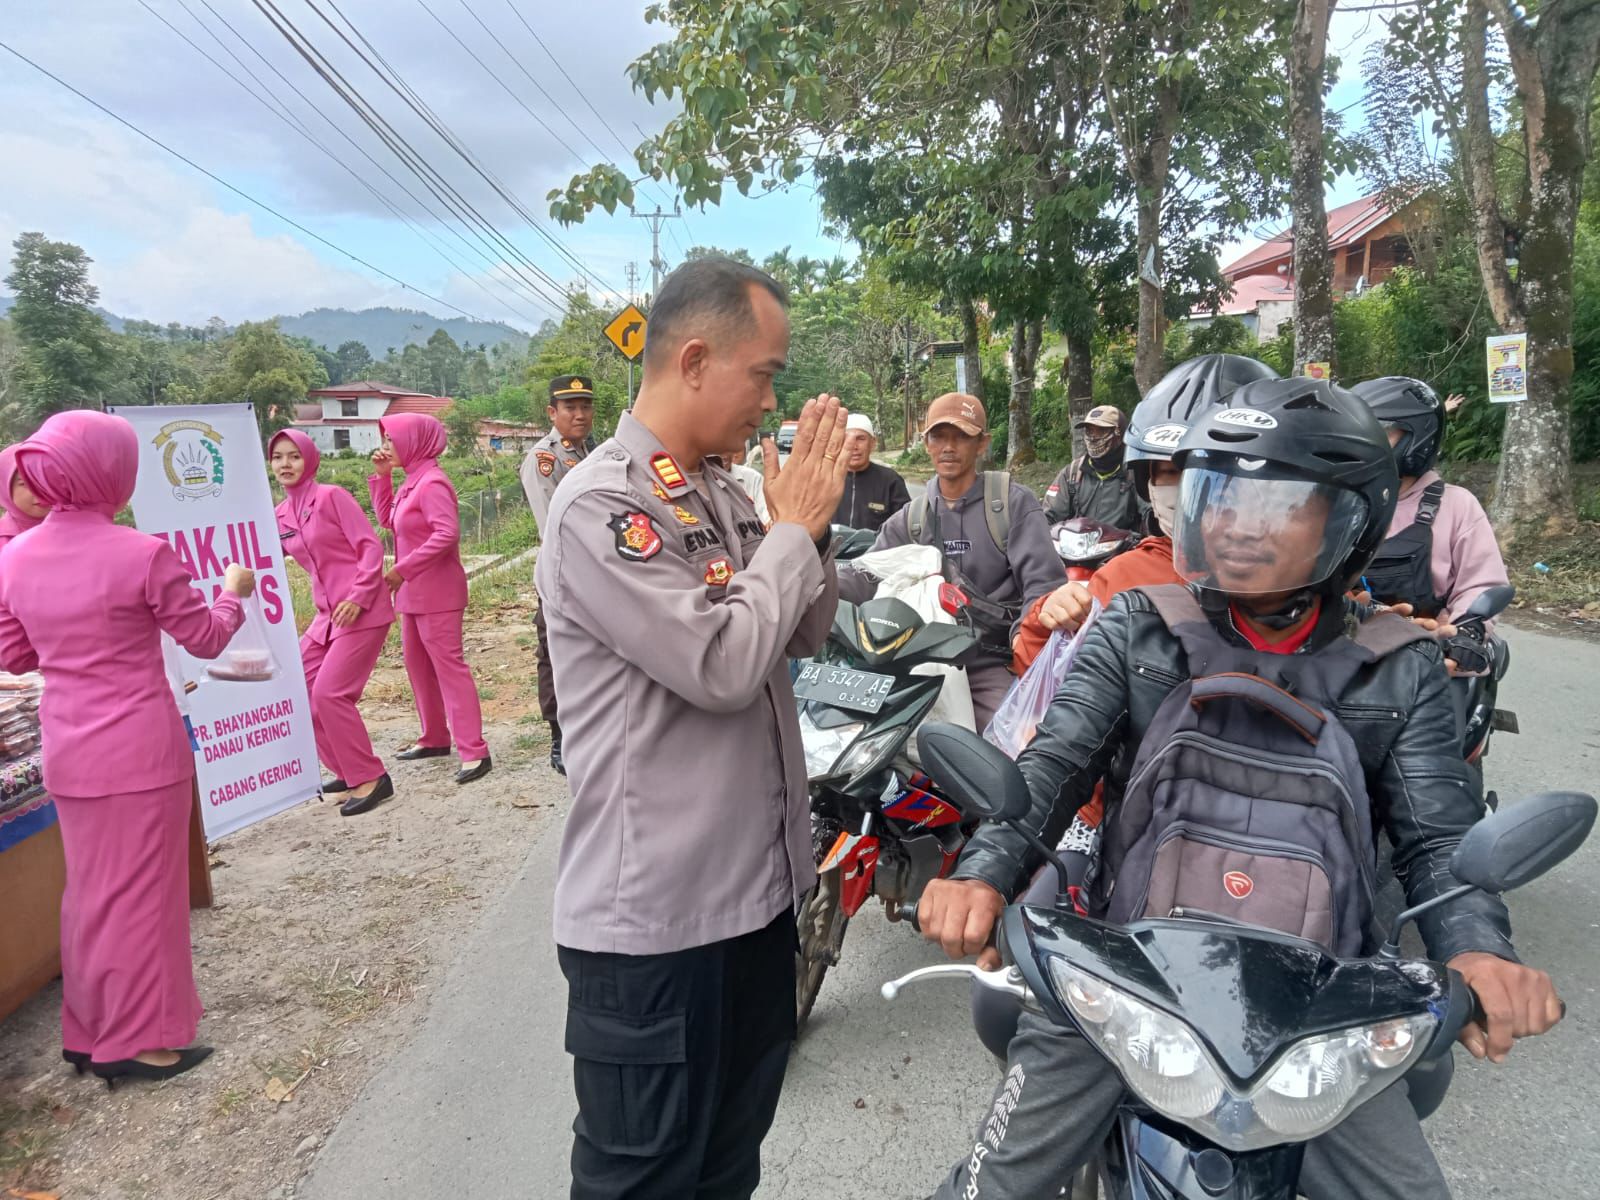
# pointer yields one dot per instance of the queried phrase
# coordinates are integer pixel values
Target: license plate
(859, 691)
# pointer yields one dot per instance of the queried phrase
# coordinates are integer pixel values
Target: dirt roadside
(315, 964)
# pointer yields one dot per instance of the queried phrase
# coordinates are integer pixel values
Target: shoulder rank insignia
(684, 515)
(547, 463)
(572, 462)
(666, 469)
(637, 539)
(718, 572)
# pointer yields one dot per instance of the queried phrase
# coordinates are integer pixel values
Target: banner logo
(191, 455)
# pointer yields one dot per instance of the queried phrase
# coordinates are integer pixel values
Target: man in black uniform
(1097, 486)
(872, 492)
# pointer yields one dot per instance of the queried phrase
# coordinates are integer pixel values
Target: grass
(26, 1136)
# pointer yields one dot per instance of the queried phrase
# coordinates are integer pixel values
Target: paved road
(881, 1097)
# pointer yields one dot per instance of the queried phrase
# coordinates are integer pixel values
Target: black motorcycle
(851, 543)
(1237, 1044)
(1477, 693)
(879, 826)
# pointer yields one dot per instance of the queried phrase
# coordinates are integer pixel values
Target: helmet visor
(1260, 537)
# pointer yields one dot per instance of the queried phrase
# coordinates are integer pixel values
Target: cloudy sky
(170, 244)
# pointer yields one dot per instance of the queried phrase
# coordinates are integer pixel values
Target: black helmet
(1412, 407)
(1288, 486)
(1168, 409)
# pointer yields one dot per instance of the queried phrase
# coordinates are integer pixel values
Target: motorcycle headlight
(1072, 543)
(1311, 1087)
(866, 751)
(825, 746)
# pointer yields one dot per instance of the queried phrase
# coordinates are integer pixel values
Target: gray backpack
(1247, 800)
(996, 511)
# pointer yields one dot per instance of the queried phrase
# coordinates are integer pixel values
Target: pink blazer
(330, 537)
(85, 601)
(427, 539)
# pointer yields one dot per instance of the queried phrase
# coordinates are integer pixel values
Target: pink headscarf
(302, 491)
(14, 521)
(418, 439)
(81, 461)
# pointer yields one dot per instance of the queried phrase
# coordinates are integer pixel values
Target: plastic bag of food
(248, 658)
(1017, 719)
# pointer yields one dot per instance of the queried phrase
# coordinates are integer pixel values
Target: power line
(398, 85)
(441, 189)
(299, 127)
(286, 117)
(217, 179)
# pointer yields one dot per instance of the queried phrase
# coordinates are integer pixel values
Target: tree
(65, 351)
(355, 361)
(268, 370)
(444, 363)
(1313, 268)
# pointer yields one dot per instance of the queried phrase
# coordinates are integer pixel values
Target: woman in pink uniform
(22, 508)
(324, 530)
(432, 585)
(85, 601)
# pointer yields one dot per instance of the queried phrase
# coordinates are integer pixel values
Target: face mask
(1100, 444)
(1164, 503)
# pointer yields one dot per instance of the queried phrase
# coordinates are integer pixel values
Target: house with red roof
(346, 416)
(1366, 239)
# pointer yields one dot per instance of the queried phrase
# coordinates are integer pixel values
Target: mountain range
(375, 328)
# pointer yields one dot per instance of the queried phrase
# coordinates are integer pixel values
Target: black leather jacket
(1397, 710)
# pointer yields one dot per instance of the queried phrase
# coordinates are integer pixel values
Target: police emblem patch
(718, 572)
(637, 539)
(547, 463)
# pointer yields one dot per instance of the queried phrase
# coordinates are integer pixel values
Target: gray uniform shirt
(672, 614)
(1028, 569)
(545, 466)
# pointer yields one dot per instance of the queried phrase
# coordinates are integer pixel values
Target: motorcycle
(879, 825)
(1237, 1044)
(851, 543)
(1085, 546)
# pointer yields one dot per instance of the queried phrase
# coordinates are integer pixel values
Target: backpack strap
(997, 506)
(1428, 506)
(1381, 634)
(917, 518)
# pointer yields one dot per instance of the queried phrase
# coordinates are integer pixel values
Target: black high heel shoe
(132, 1068)
(468, 774)
(78, 1059)
(356, 805)
(334, 786)
(414, 751)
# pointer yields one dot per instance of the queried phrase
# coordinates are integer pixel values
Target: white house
(346, 417)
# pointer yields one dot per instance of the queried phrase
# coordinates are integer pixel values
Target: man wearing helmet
(1286, 491)
(1441, 553)
(1183, 394)
(1097, 485)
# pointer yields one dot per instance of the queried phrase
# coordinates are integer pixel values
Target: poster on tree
(1508, 368)
(202, 488)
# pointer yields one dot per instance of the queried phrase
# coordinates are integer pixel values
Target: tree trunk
(971, 348)
(1151, 170)
(1025, 341)
(1478, 174)
(1080, 384)
(1555, 66)
(1313, 269)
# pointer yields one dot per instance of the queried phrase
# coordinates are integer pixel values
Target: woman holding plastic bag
(84, 601)
(324, 530)
(432, 586)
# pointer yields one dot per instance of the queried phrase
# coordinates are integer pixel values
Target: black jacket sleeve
(1073, 747)
(1427, 798)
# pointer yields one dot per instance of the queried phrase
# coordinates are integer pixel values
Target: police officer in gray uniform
(568, 443)
(672, 613)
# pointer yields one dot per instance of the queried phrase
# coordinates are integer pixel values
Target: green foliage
(64, 349)
(268, 370)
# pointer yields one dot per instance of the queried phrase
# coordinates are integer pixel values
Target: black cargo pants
(678, 1060)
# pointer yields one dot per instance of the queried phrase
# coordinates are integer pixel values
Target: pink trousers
(336, 674)
(441, 682)
(126, 972)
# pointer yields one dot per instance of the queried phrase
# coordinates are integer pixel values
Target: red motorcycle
(1086, 546)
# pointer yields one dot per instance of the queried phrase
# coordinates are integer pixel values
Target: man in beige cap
(990, 531)
(872, 492)
(1097, 486)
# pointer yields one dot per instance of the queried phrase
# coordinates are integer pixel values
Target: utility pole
(656, 218)
(633, 298)
(908, 383)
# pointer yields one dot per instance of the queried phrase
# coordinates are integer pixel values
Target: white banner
(203, 490)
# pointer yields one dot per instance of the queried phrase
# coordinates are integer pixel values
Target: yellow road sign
(626, 332)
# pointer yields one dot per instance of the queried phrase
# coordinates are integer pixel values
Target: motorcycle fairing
(1249, 994)
(1153, 1159)
(940, 642)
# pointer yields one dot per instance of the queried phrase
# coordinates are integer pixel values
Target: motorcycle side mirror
(1491, 603)
(982, 779)
(1508, 848)
(1516, 845)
